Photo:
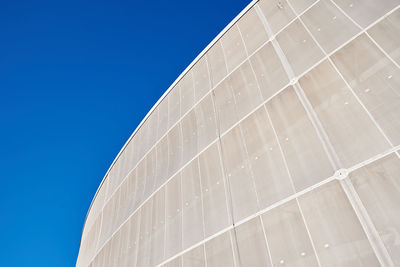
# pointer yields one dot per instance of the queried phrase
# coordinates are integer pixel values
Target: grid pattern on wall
(279, 146)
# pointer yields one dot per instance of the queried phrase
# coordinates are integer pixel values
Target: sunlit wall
(278, 146)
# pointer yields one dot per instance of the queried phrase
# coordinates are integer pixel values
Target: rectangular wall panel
(174, 106)
(216, 216)
(351, 131)
(277, 16)
(378, 186)
(158, 228)
(192, 207)
(252, 245)
(173, 213)
(375, 80)
(238, 175)
(219, 251)
(302, 148)
(267, 164)
(233, 47)
(206, 122)
(252, 30)
(330, 27)
(186, 85)
(270, 74)
(337, 234)
(201, 77)
(194, 257)
(300, 49)
(216, 62)
(287, 236)
(387, 34)
(366, 11)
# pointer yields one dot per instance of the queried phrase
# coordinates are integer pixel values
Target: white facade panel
(278, 146)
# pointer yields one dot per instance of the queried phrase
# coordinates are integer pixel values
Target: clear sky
(76, 78)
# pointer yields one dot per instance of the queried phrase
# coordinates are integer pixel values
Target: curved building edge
(341, 162)
(205, 50)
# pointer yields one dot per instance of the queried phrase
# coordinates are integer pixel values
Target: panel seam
(283, 201)
(324, 58)
(358, 207)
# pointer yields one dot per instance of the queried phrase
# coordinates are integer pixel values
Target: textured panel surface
(278, 146)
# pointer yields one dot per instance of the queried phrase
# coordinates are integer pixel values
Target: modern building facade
(278, 146)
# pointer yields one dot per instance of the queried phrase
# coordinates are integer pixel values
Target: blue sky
(76, 78)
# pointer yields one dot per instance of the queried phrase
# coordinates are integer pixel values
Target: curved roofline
(205, 50)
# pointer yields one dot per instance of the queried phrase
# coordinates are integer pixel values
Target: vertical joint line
(244, 44)
(266, 241)
(366, 223)
(228, 189)
(308, 231)
(275, 44)
(292, 184)
(352, 195)
(382, 50)
(326, 143)
(202, 207)
(362, 104)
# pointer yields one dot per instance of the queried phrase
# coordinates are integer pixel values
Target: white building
(278, 146)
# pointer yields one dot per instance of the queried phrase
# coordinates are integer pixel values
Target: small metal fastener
(341, 174)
